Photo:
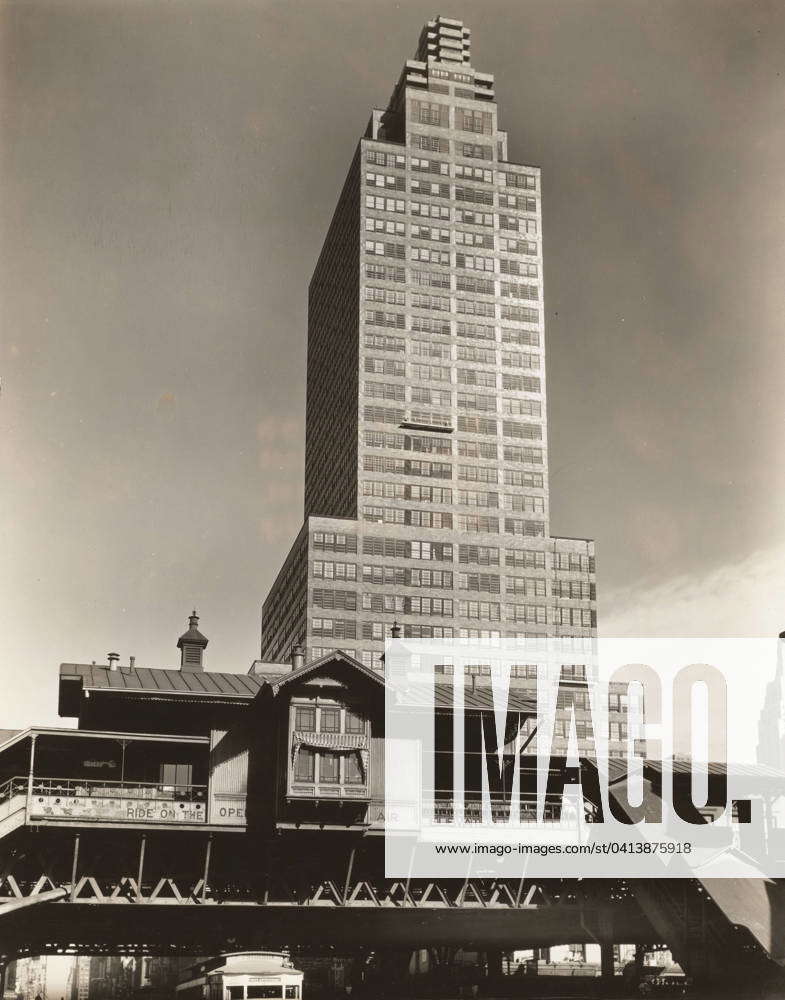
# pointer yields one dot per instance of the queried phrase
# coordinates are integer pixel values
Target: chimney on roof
(298, 656)
(132, 662)
(114, 659)
(192, 645)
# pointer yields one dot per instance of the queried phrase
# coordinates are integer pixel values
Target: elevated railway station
(190, 812)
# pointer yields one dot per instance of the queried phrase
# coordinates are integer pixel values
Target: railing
(444, 810)
(77, 788)
(12, 787)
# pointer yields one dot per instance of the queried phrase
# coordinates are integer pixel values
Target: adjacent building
(426, 469)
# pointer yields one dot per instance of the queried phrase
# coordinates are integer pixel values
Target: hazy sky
(168, 174)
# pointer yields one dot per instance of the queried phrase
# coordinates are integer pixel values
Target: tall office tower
(426, 490)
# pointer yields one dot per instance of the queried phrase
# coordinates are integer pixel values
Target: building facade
(426, 472)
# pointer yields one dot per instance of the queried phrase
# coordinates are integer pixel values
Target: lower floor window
(329, 768)
(332, 768)
(305, 767)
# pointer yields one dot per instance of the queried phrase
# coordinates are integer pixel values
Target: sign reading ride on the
(584, 757)
(53, 806)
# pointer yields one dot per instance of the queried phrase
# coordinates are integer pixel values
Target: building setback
(426, 470)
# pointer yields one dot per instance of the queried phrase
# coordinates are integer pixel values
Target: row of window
(392, 465)
(468, 195)
(397, 161)
(482, 401)
(480, 554)
(523, 225)
(328, 719)
(488, 474)
(443, 280)
(442, 350)
(373, 657)
(331, 768)
(465, 448)
(486, 611)
(464, 238)
(490, 583)
(520, 224)
(463, 119)
(415, 518)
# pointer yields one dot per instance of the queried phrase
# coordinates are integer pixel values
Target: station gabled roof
(334, 656)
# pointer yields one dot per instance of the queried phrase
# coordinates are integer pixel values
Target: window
(430, 233)
(530, 456)
(470, 283)
(474, 121)
(520, 313)
(478, 196)
(480, 554)
(381, 204)
(479, 609)
(526, 558)
(334, 570)
(305, 768)
(430, 113)
(386, 181)
(305, 719)
(472, 218)
(522, 407)
(474, 173)
(479, 581)
(235, 993)
(385, 226)
(475, 152)
(292, 992)
(177, 776)
(430, 166)
(355, 723)
(473, 262)
(428, 211)
(469, 239)
(528, 181)
(381, 272)
(330, 720)
(264, 992)
(433, 143)
(352, 772)
(329, 768)
(519, 477)
(477, 425)
(478, 330)
(477, 376)
(432, 188)
(526, 338)
(383, 159)
(391, 295)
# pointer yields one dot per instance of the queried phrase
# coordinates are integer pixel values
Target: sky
(167, 174)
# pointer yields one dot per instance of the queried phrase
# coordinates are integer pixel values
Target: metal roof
(480, 697)
(154, 680)
(95, 734)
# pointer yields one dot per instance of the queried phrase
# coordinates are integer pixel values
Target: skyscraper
(426, 469)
